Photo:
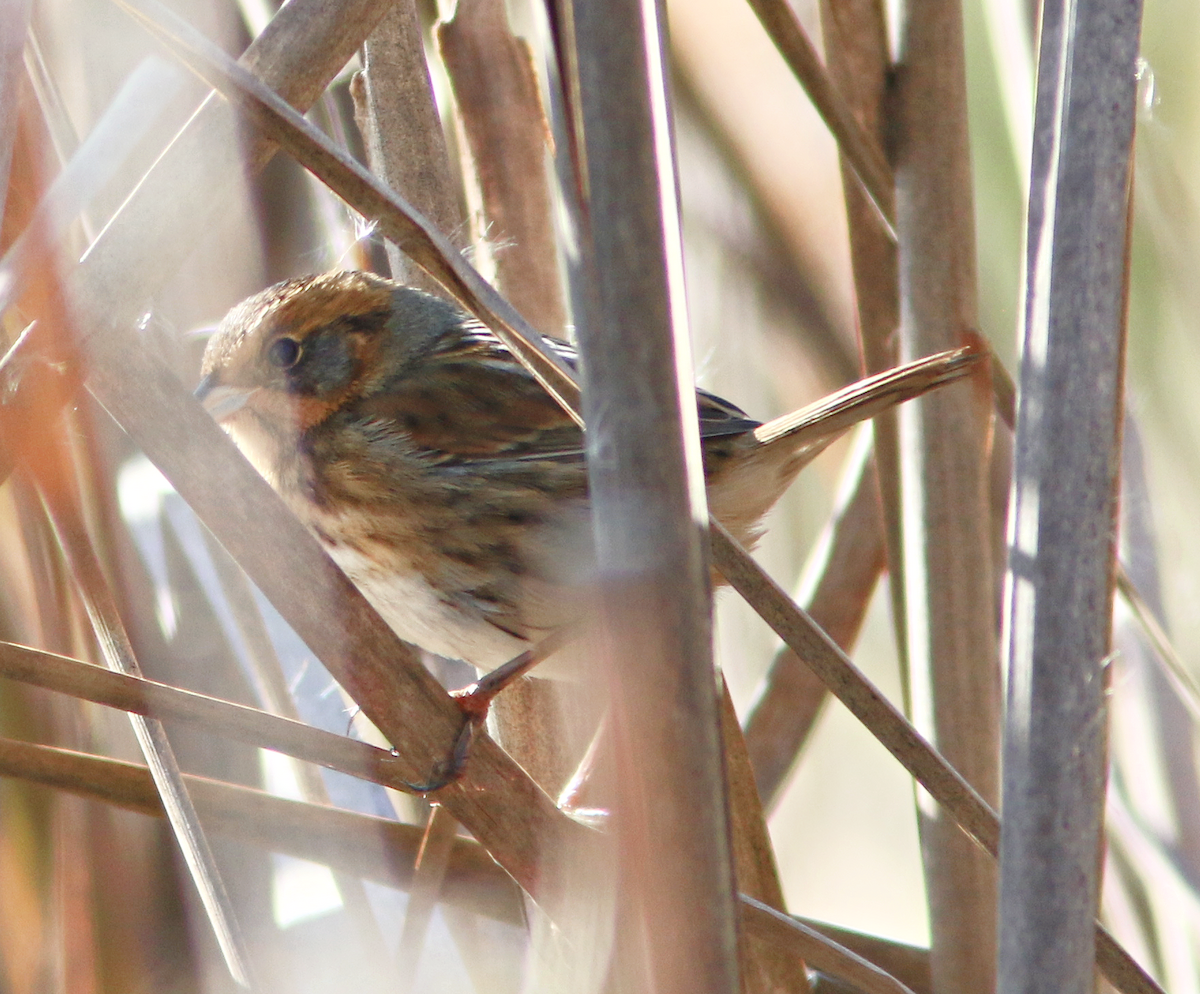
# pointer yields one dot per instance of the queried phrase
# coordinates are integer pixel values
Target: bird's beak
(219, 400)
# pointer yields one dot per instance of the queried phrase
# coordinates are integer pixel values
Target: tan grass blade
(819, 951)
(754, 863)
(860, 149)
(114, 643)
(950, 598)
(137, 695)
(835, 588)
(379, 849)
(398, 117)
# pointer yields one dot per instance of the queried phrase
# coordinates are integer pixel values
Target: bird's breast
(422, 614)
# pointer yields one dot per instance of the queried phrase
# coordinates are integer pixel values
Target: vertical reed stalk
(1062, 518)
(675, 863)
(398, 116)
(949, 596)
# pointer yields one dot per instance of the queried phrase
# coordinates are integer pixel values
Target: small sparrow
(437, 472)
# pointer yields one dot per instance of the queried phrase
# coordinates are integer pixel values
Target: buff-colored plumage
(438, 473)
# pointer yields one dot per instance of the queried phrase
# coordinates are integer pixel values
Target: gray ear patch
(324, 364)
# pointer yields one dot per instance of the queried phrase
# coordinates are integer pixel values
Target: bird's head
(284, 360)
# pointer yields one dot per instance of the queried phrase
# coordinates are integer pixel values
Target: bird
(438, 473)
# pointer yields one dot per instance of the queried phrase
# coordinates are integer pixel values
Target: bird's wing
(721, 419)
(471, 400)
(468, 399)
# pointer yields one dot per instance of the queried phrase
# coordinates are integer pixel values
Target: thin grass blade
(118, 654)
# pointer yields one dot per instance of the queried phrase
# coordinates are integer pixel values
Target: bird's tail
(811, 428)
(742, 491)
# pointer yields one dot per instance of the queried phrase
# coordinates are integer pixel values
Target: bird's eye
(284, 353)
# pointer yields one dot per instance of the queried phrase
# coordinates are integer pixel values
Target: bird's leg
(475, 700)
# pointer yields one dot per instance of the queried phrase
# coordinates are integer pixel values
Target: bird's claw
(474, 701)
(446, 771)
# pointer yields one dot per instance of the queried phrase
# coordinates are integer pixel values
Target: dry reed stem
(764, 968)
(500, 106)
(138, 695)
(1066, 478)
(132, 113)
(677, 917)
(951, 791)
(836, 586)
(860, 148)
(950, 598)
(379, 849)
(821, 952)
(398, 117)
(857, 51)
(429, 874)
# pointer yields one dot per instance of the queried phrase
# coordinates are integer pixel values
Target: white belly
(415, 612)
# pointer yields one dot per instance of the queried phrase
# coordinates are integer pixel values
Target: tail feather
(817, 425)
(741, 492)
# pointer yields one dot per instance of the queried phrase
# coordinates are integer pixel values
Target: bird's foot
(475, 701)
